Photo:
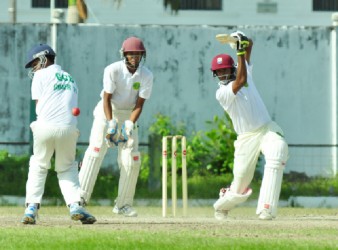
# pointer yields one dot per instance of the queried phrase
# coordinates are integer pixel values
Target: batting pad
(130, 163)
(230, 200)
(270, 188)
(88, 174)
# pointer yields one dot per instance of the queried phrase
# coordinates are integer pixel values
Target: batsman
(256, 133)
(127, 84)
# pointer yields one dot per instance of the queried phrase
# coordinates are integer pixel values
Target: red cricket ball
(75, 111)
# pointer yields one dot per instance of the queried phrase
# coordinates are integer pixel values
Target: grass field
(294, 228)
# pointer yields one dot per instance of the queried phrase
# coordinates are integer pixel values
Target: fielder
(257, 133)
(54, 131)
(126, 86)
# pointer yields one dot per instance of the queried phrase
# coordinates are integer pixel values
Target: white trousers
(47, 141)
(128, 158)
(248, 146)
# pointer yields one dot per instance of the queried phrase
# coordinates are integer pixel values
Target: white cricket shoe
(30, 213)
(116, 210)
(77, 212)
(127, 211)
(265, 215)
(221, 214)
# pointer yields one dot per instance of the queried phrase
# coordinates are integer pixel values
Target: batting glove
(242, 43)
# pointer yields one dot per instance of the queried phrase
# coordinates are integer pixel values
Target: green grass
(294, 228)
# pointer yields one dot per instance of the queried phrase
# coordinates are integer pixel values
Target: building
(198, 12)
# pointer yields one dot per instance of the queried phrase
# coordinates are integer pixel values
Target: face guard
(226, 78)
(41, 63)
(137, 62)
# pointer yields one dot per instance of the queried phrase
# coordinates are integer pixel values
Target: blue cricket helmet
(37, 51)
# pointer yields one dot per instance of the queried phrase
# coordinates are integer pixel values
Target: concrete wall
(292, 70)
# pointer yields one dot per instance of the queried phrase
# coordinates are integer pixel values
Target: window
(46, 3)
(201, 5)
(325, 5)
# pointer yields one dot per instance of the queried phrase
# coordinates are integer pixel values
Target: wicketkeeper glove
(127, 133)
(112, 136)
(242, 43)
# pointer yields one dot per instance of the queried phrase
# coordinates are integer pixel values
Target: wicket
(174, 174)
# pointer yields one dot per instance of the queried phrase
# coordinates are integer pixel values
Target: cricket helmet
(133, 44)
(222, 61)
(38, 51)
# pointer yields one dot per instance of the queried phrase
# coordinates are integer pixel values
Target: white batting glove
(112, 136)
(236, 34)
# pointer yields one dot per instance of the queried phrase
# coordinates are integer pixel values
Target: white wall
(292, 70)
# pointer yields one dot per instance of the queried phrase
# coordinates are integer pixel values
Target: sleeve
(36, 89)
(146, 87)
(225, 96)
(249, 69)
(109, 84)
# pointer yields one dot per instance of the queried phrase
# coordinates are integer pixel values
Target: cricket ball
(75, 111)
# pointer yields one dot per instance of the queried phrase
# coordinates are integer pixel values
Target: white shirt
(57, 94)
(246, 109)
(126, 87)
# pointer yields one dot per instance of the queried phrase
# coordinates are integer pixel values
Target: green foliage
(210, 152)
(298, 184)
(13, 175)
(163, 126)
(213, 151)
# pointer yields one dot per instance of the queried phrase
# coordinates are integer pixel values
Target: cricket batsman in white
(257, 133)
(55, 93)
(127, 84)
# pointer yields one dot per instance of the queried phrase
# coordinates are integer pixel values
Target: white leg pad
(229, 200)
(88, 173)
(270, 189)
(275, 150)
(129, 163)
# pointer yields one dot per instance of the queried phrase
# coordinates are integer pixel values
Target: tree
(173, 4)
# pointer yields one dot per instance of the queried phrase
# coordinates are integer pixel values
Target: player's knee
(95, 152)
(38, 165)
(136, 159)
(277, 154)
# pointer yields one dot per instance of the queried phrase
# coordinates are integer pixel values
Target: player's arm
(241, 76)
(248, 51)
(108, 111)
(135, 114)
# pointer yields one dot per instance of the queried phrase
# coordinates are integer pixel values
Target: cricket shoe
(265, 215)
(221, 214)
(77, 212)
(127, 211)
(31, 213)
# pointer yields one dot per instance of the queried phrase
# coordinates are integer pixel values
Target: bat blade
(225, 38)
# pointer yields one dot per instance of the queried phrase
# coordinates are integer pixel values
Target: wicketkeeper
(127, 84)
(257, 133)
